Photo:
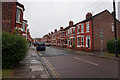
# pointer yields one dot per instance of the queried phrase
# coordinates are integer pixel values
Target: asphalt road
(62, 63)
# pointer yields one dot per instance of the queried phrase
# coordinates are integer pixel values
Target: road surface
(63, 63)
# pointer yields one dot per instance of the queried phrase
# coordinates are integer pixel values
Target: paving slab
(44, 76)
(30, 67)
(36, 68)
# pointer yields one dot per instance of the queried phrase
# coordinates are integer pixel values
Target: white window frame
(78, 42)
(82, 41)
(73, 30)
(18, 14)
(87, 27)
(112, 27)
(78, 29)
(82, 28)
(73, 41)
(23, 26)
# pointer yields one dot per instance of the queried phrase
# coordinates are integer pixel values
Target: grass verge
(110, 54)
(7, 73)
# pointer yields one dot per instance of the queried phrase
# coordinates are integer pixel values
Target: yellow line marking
(50, 68)
(57, 75)
(53, 68)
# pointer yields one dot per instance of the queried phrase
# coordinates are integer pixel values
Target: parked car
(40, 46)
(48, 44)
(35, 43)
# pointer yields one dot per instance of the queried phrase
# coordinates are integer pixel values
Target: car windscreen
(41, 44)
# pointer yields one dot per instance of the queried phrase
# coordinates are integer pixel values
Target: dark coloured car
(40, 46)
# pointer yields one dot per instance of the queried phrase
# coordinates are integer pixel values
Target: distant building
(87, 34)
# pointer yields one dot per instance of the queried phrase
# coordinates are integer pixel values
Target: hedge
(14, 49)
(111, 46)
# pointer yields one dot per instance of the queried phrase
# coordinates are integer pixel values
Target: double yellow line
(56, 74)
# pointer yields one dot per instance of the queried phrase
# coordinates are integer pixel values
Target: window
(82, 41)
(78, 29)
(66, 41)
(63, 34)
(23, 26)
(87, 27)
(78, 40)
(73, 41)
(88, 41)
(82, 28)
(70, 30)
(112, 27)
(18, 15)
(73, 30)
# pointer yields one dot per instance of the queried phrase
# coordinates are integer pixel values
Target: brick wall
(8, 16)
(103, 21)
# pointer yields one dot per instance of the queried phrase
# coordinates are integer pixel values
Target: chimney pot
(88, 15)
(70, 23)
(61, 28)
(55, 30)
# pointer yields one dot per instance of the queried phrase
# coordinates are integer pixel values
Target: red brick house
(12, 16)
(70, 35)
(61, 37)
(85, 35)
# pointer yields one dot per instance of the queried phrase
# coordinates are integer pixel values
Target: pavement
(31, 67)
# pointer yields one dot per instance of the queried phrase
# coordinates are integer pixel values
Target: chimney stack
(70, 23)
(88, 15)
(51, 32)
(61, 28)
(55, 30)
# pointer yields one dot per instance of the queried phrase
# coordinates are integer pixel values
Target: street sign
(101, 33)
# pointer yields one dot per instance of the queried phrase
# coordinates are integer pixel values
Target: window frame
(18, 15)
(112, 27)
(82, 41)
(78, 41)
(87, 27)
(78, 28)
(82, 28)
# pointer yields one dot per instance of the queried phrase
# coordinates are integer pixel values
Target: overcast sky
(44, 16)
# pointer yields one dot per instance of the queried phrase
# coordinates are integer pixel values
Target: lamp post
(115, 28)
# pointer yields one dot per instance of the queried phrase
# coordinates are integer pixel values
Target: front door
(88, 41)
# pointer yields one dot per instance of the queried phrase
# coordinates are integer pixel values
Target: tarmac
(32, 68)
(96, 54)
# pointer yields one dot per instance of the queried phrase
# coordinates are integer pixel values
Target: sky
(44, 16)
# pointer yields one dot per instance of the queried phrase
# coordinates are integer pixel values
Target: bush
(111, 46)
(14, 49)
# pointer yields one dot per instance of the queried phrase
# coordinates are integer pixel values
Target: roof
(93, 17)
(68, 27)
(20, 5)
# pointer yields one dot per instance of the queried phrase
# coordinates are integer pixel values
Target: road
(63, 63)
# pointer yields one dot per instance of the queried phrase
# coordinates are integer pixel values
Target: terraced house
(12, 19)
(88, 34)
